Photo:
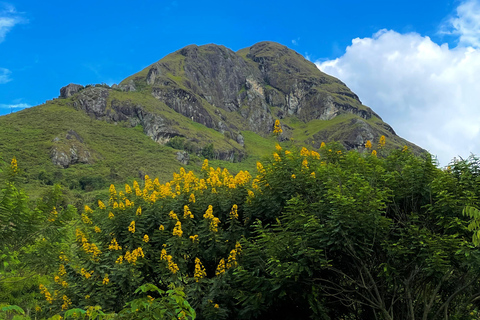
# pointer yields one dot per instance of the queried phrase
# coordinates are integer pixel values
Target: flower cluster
(214, 221)
(85, 273)
(134, 255)
(89, 248)
(66, 302)
(114, 245)
(220, 268)
(131, 227)
(187, 213)
(177, 231)
(199, 270)
(14, 165)
(232, 258)
(277, 128)
(44, 291)
(101, 205)
(234, 212)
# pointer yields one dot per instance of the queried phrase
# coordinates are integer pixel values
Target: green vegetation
(324, 234)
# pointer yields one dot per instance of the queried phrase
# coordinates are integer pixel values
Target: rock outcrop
(69, 150)
(70, 90)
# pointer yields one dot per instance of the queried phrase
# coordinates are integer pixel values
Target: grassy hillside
(118, 153)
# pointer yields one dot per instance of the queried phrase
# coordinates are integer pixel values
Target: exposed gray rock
(183, 157)
(70, 150)
(240, 140)
(70, 90)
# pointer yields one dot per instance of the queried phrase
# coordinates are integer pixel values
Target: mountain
(200, 101)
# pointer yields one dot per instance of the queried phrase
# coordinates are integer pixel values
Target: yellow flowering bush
(182, 232)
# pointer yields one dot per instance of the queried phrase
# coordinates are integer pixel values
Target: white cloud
(15, 107)
(9, 17)
(465, 24)
(426, 91)
(4, 75)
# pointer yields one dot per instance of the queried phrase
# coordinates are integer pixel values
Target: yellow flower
(87, 297)
(14, 165)
(277, 129)
(146, 238)
(163, 254)
(278, 147)
(112, 190)
(194, 238)
(293, 176)
(105, 279)
(86, 219)
(131, 227)
(374, 153)
(132, 257)
(234, 212)
(312, 174)
(128, 190)
(66, 302)
(405, 149)
(260, 168)
(322, 145)
(114, 245)
(277, 157)
(61, 270)
(192, 198)
(97, 229)
(232, 259)
(199, 270)
(139, 211)
(187, 213)
(88, 210)
(368, 145)
(172, 215)
(381, 143)
(161, 228)
(304, 152)
(101, 205)
(305, 163)
(205, 165)
(111, 215)
(177, 231)
(220, 268)
(173, 267)
(209, 213)
(216, 306)
(119, 260)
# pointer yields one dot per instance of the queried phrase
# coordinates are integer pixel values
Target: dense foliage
(323, 234)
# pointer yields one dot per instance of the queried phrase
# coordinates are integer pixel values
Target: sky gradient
(416, 64)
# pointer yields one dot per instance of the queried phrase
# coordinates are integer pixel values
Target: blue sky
(413, 62)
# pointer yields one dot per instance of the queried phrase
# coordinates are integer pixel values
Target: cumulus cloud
(426, 91)
(465, 24)
(9, 17)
